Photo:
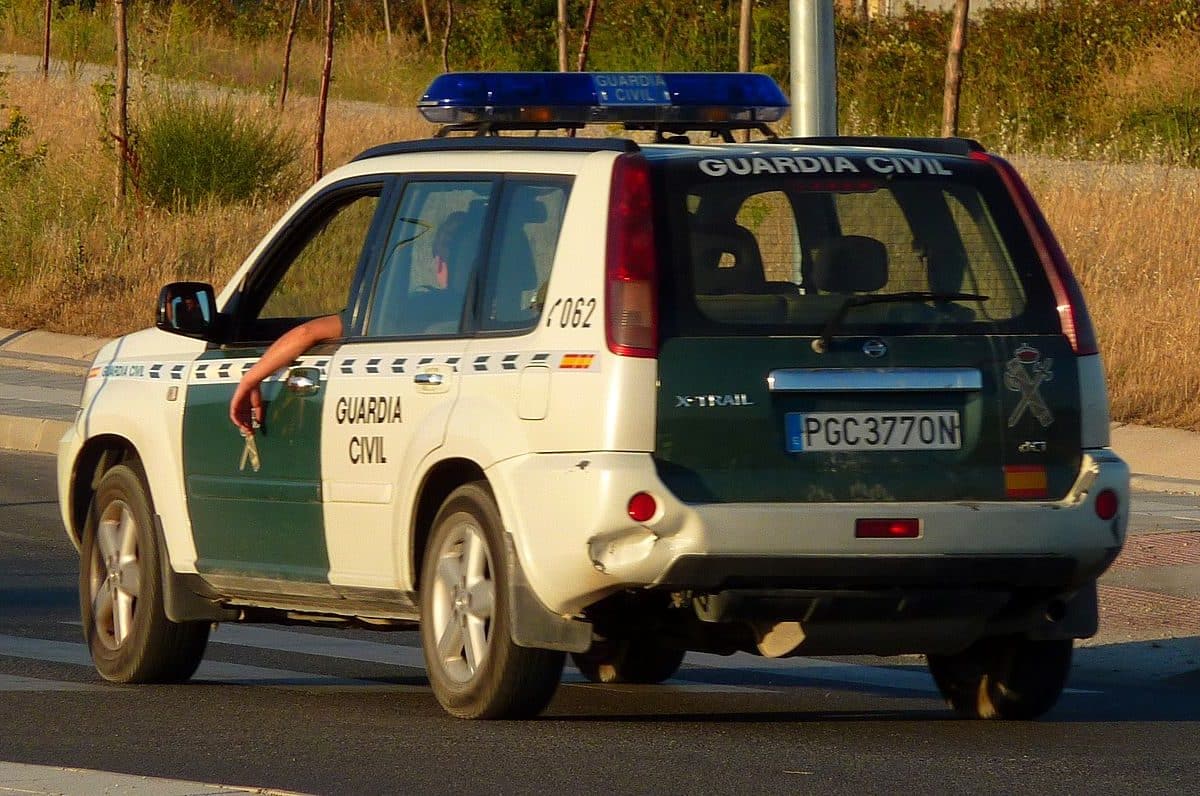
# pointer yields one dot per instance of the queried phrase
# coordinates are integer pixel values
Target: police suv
(789, 396)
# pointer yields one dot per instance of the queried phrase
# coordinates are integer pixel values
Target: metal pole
(814, 68)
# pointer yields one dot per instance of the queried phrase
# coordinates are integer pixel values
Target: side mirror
(187, 308)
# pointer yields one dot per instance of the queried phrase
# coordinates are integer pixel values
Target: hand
(245, 408)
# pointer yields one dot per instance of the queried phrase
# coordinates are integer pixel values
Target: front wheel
(1008, 677)
(474, 668)
(120, 590)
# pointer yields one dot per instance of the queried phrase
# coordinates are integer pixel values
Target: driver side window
(318, 280)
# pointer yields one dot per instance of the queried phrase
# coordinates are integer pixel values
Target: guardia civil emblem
(1025, 373)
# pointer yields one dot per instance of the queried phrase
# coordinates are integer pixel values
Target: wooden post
(428, 27)
(744, 22)
(744, 36)
(287, 53)
(446, 35)
(387, 22)
(954, 62)
(562, 35)
(323, 100)
(122, 100)
(46, 40)
(585, 41)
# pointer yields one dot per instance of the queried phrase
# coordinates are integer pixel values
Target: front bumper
(68, 452)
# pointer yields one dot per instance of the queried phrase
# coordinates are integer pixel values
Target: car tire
(1008, 677)
(642, 661)
(121, 593)
(474, 668)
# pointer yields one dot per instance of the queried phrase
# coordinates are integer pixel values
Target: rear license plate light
(875, 528)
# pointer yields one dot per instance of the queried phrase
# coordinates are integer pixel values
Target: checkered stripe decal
(471, 364)
(232, 370)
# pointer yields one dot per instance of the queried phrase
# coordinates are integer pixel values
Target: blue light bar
(633, 98)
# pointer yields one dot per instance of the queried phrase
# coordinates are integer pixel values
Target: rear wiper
(821, 344)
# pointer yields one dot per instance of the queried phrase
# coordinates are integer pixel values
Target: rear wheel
(1007, 677)
(120, 590)
(640, 660)
(475, 669)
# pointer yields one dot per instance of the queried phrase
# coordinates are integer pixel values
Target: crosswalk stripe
(792, 672)
(76, 653)
(697, 663)
(53, 780)
(393, 654)
(12, 682)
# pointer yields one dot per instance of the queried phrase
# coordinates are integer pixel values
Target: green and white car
(791, 397)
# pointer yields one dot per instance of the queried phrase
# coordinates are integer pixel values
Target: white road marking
(75, 653)
(915, 679)
(353, 649)
(46, 780)
(12, 682)
(393, 654)
(794, 671)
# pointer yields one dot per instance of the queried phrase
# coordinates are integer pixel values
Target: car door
(256, 511)
(396, 380)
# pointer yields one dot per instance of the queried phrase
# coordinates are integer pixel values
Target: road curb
(49, 346)
(1162, 483)
(31, 434)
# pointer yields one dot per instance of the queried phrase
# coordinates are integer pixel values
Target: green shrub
(188, 150)
(16, 156)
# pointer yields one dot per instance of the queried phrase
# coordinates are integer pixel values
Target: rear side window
(786, 250)
(528, 221)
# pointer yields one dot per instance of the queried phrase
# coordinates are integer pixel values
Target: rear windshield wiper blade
(821, 344)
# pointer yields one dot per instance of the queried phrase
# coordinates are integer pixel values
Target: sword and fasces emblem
(1025, 373)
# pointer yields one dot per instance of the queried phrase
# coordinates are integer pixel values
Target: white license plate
(872, 431)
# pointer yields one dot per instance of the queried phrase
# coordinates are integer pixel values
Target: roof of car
(674, 147)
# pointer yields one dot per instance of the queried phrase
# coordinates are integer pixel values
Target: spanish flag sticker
(1025, 481)
(576, 361)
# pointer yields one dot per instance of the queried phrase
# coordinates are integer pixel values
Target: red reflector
(1107, 504)
(887, 529)
(642, 507)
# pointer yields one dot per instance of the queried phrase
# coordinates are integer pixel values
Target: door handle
(429, 378)
(304, 381)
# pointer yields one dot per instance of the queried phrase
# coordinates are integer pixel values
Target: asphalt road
(325, 711)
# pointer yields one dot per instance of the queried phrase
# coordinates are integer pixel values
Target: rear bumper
(567, 513)
(1047, 573)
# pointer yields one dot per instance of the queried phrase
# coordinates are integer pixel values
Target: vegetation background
(1098, 100)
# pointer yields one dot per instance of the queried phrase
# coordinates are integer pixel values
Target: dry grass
(68, 263)
(1148, 102)
(1133, 236)
(71, 264)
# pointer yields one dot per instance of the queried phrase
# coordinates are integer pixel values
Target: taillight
(1068, 298)
(631, 314)
(1107, 504)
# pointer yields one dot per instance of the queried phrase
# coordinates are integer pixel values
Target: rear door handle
(432, 379)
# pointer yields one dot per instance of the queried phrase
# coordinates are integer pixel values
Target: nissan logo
(875, 348)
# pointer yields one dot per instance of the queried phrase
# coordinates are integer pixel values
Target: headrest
(710, 243)
(851, 264)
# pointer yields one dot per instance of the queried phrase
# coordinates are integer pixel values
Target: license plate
(872, 431)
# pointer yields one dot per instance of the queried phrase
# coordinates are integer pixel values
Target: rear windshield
(758, 244)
